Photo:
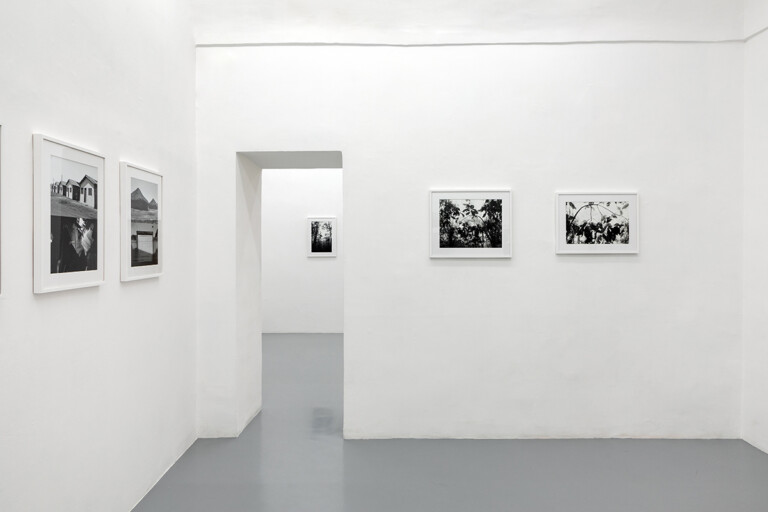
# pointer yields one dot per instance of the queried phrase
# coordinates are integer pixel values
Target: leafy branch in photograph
(596, 222)
(322, 236)
(470, 223)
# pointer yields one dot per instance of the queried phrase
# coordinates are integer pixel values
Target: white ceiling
(755, 16)
(464, 21)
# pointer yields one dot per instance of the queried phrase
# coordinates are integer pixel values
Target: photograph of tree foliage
(470, 223)
(322, 236)
(596, 222)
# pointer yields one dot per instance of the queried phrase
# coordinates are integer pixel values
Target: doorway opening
(290, 275)
(302, 260)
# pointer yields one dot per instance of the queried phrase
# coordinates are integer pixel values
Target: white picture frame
(597, 223)
(317, 241)
(465, 221)
(69, 216)
(1, 210)
(141, 223)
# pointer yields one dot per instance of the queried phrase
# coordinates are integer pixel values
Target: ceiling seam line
(515, 43)
(756, 34)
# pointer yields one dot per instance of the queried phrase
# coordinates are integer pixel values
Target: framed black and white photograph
(1, 209)
(69, 216)
(321, 237)
(598, 223)
(141, 212)
(470, 224)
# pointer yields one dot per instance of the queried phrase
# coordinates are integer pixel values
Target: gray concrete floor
(292, 458)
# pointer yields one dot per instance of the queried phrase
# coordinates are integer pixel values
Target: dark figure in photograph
(88, 242)
(56, 244)
(71, 253)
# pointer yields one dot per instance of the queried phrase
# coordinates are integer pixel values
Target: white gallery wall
(300, 294)
(539, 345)
(755, 413)
(97, 386)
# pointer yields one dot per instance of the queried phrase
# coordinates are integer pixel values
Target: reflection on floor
(292, 459)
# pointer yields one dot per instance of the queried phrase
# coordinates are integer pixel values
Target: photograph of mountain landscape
(144, 223)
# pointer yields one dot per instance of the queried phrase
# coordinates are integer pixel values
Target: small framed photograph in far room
(321, 237)
(69, 216)
(141, 216)
(470, 223)
(1, 209)
(597, 223)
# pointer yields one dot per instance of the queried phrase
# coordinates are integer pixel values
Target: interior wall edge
(192, 440)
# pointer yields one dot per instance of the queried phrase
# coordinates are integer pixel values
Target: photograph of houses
(144, 223)
(74, 212)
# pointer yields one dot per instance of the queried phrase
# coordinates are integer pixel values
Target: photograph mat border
(127, 272)
(586, 249)
(43, 148)
(334, 238)
(503, 252)
(1, 211)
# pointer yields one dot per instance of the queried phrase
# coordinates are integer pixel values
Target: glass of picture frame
(1, 212)
(470, 223)
(321, 237)
(597, 223)
(69, 216)
(141, 215)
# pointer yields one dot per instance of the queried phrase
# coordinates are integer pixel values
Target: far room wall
(300, 294)
(755, 424)
(539, 345)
